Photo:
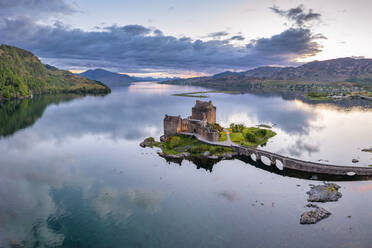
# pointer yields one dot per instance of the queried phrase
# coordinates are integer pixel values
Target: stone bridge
(303, 166)
(291, 163)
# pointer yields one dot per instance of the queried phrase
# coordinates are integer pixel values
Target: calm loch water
(73, 175)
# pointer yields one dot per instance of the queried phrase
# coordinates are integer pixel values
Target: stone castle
(200, 122)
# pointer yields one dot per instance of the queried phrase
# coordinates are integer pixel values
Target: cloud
(130, 29)
(299, 15)
(217, 34)
(238, 37)
(292, 42)
(35, 8)
(137, 48)
(300, 146)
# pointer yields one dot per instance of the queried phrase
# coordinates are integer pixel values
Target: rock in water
(264, 125)
(314, 216)
(148, 142)
(324, 193)
(367, 150)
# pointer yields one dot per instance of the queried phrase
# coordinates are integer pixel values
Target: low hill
(110, 78)
(334, 75)
(22, 74)
(113, 79)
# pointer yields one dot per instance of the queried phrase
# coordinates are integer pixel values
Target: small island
(200, 136)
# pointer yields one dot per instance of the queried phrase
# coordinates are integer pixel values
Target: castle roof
(203, 105)
(172, 118)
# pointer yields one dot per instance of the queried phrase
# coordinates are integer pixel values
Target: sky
(186, 37)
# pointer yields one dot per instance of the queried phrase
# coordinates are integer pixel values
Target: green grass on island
(250, 136)
(182, 143)
(223, 136)
(317, 96)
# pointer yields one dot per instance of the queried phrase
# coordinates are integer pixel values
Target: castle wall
(211, 115)
(172, 125)
(185, 125)
(212, 136)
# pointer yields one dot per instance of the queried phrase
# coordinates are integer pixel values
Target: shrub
(251, 137)
(237, 128)
(174, 141)
(219, 149)
(317, 94)
(261, 132)
(6, 93)
(217, 127)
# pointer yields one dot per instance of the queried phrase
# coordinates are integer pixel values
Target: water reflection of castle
(200, 122)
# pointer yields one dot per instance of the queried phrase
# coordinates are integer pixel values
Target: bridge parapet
(304, 166)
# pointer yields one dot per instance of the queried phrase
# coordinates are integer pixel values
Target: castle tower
(204, 111)
(172, 125)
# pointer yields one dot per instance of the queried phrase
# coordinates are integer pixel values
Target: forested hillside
(22, 74)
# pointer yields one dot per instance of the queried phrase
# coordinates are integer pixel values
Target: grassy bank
(250, 136)
(223, 136)
(317, 96)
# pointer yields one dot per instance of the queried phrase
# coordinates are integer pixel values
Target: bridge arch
(266, 160)
(279, 164)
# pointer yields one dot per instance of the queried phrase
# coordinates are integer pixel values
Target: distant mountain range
(113, 79)
(335, 72)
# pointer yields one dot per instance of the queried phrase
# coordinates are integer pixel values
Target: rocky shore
(367, 150)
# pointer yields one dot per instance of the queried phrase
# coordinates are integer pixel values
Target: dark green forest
(22, 74)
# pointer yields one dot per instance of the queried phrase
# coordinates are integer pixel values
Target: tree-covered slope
(22, 74)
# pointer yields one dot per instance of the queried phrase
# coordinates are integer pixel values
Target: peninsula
(23, 75)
